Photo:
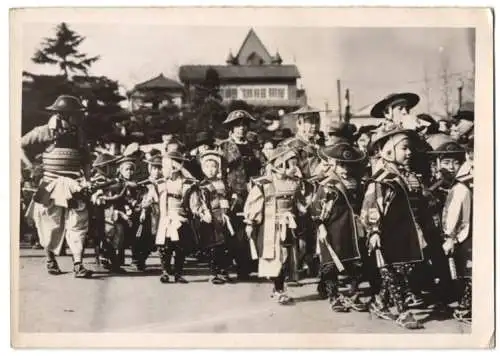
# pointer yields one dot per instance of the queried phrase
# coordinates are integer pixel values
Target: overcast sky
(371, 62)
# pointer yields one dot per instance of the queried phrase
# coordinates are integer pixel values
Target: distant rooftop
(190, 73)
(159, 82)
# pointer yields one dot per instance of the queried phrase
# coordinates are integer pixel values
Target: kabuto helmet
(67, 104)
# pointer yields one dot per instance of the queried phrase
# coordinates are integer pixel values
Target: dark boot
(165, 257)
(338, 304)
(80, 271)
(378, 308)
(407, 320)
(179, 266)
(165, 277)
(53, 267)
(217, 279)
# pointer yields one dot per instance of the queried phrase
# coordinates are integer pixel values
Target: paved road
(140, 303)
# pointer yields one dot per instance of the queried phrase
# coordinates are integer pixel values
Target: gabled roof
(253, 44)
(159, 82)
(196, 73)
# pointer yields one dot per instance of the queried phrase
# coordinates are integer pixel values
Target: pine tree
(207, 102)
(63, 51)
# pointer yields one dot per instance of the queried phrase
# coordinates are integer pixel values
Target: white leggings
(54, 223)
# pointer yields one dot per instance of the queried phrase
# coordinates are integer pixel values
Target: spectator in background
(336, 132)
(444, 126)
(463, 123)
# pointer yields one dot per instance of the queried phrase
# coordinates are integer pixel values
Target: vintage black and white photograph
(258, 177)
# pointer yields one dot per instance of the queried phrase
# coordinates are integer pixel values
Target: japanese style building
(156, 92)
(253, 75)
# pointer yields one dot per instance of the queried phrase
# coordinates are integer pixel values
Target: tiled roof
(159, 82)
(196, 73)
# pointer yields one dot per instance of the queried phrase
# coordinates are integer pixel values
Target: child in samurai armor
(150, 212)
(122, 211)
(447, 156)
(101, 177)
(271, 208)
(214, 200)
(335, 208)
(390, 213)
(457, 229)
(175, 233)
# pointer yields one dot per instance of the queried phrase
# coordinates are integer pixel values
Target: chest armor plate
(60, 159)
(174, 190)
(216, 191)
(284, 191)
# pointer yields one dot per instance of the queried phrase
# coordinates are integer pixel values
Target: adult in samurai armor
(60, 207)
(175, 233)
(241, 163)
(335, 207)
(392, 213)
(304, 140)
(270, 214)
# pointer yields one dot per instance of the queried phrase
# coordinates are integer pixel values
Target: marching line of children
(392, 227)
(376, 232)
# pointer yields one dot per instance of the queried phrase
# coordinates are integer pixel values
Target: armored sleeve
(377, 198)
(197, 203)
(39, 135)
(457, 213)
(254, 206)
(328, 207)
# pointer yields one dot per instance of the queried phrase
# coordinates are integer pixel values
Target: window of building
(229, 93)
(277, 93)
(247, 93)
(260, 93)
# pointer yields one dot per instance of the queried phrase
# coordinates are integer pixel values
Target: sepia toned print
(241, 178)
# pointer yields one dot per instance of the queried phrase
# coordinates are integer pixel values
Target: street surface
(138, 302)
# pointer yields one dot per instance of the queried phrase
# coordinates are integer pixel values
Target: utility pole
(347, 106)
(339, 99)
(460, 87)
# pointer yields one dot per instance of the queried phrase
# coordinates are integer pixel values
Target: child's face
(307, 128)
(267, 149)
(363, 142)
(292, 166)
(210, 169)
(402, 152)
(154, 171)
(172, 147)
(451, 165)
(127, 170)
(170, 167)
